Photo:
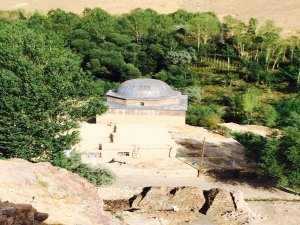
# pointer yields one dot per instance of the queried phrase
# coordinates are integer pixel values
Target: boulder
(40, 216)
(15, 214)
(8, 211)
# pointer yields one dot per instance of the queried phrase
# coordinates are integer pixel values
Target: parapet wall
(140, 153)
(145, 102)
(126, 116)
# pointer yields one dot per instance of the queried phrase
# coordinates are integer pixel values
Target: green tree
(246, 104)
(137, 23)
(63, 23)
(270, 46)
(281, 158)
(44, 94)
(276, 157)
(204, 27)
(203, 115)
(181, 17)
(98, 23)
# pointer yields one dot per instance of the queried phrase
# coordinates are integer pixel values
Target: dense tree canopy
(44, 94)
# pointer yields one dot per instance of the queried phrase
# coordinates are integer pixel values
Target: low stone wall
(108, 154)
(125, 116)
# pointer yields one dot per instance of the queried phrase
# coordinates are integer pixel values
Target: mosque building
(145, 101)
(135, 125)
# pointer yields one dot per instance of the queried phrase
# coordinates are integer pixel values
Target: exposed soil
(286, 14)
(219, 153)
(66, 197)
(172, 206)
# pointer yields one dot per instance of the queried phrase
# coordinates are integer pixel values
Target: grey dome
(145, 89)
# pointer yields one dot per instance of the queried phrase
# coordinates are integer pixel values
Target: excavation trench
(178, 205)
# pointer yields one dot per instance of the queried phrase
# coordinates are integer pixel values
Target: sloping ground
(255, 129)
(286, 14)
(66, 197)
(220, 152)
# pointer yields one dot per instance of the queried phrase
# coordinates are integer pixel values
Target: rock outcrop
(15, 214)
(66, 197)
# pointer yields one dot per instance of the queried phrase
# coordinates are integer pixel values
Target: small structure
(145, 101)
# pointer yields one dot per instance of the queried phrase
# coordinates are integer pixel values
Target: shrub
(277, 157)
(289, 112)
(266, 115)
(245, 105)
(98, 176)
(194, 93)
(202, 115)
(253, 143)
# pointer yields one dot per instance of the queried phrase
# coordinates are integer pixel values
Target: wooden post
(170, 152)
(111, 136)
(201, 157)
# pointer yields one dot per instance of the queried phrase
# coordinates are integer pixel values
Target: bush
(245, 105)
(202, 115)
(253, 143)
(194, 93)
(277, 157)
(98, 176)
(289, 112)
(266, 115)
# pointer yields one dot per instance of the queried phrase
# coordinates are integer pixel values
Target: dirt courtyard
(286, 14)
(220, 152)
(263, 199)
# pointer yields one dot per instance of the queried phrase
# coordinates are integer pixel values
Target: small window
(142, 103)
(123, 153)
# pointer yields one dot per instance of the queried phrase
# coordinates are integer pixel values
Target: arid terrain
(66, 197)
(286, 14)
(154, 192)
(267, 204)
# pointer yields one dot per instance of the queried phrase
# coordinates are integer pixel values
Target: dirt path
(286, 14)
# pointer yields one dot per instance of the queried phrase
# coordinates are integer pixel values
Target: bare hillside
(286, 14)
(66, 197)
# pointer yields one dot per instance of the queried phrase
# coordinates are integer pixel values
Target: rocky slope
(66, 197)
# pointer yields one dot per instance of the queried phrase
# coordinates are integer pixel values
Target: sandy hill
(286, 13)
